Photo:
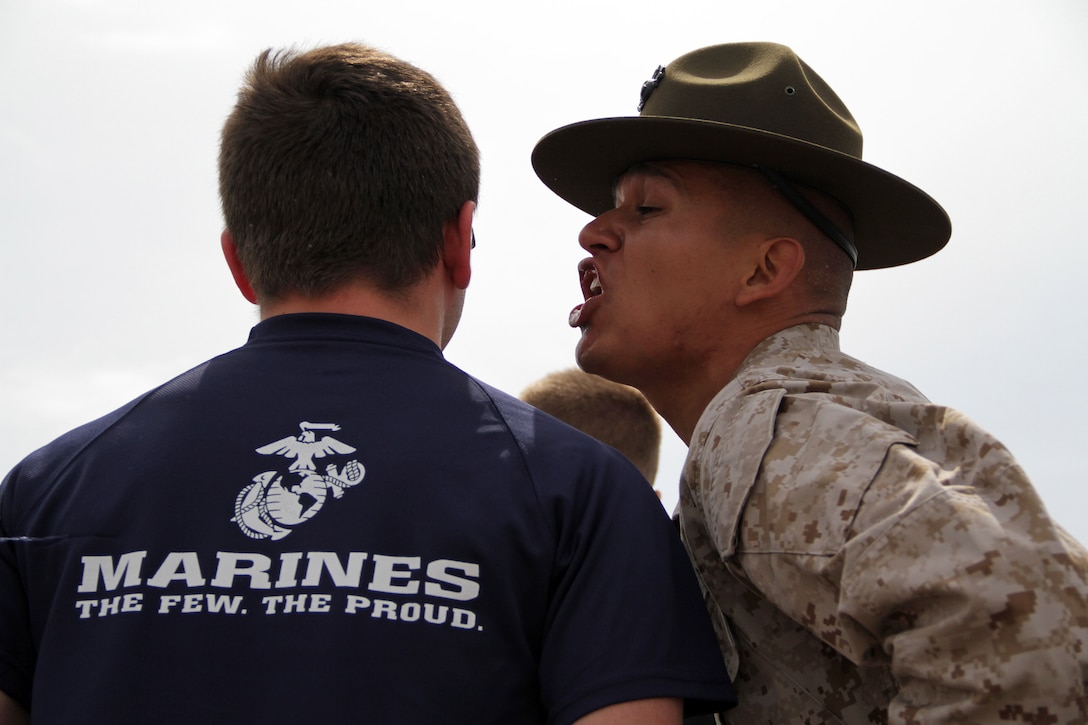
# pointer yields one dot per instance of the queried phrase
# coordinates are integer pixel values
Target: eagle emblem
(277, 501)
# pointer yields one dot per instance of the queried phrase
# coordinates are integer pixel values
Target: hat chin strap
(811, 213)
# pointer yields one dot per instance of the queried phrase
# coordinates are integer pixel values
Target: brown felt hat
(757, 105)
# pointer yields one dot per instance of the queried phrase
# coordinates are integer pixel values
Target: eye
(643, 210)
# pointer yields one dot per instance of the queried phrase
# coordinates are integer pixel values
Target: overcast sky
(111, 279)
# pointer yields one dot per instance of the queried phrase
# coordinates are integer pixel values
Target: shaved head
(754, 206)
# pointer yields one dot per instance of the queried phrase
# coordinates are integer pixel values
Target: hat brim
(894, 221)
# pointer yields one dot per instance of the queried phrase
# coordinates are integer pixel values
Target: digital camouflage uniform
(877, 557)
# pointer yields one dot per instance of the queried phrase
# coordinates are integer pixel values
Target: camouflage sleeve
(977, 596)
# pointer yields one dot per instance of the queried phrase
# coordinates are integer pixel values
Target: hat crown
(760, 86)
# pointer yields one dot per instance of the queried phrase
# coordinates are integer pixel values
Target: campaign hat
(756, 105)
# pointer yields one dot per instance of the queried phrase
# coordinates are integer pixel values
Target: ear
(776, 265)
(230, 252)
(457, 245)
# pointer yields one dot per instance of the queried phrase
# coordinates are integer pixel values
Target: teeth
(595, 286)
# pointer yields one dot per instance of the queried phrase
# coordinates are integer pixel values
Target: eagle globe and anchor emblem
(276, 502)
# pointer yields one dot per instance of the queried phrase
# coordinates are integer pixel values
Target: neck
(681, 396)
(419, 309)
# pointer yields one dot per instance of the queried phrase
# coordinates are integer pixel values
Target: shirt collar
(331, 326)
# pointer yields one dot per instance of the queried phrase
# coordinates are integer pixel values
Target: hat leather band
(813, 214)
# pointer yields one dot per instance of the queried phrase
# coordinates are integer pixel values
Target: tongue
(575, 316)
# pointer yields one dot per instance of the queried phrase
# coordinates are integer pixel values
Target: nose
(600, 235)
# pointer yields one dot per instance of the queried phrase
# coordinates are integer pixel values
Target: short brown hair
(340, 163)
(617, 415)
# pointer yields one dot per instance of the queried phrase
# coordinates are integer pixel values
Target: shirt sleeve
(978, 600)
(626, 621)
(16, 648)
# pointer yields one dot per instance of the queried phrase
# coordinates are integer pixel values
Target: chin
(592, 359)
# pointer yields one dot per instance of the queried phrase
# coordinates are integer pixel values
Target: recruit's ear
(458, 242)
(230, 253)
(775, 265)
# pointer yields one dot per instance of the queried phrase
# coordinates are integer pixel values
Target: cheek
(693, 316)
(657, 322)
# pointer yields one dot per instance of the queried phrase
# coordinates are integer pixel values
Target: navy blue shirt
(334, 524)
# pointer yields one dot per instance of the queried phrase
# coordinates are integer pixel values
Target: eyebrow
(647, 168)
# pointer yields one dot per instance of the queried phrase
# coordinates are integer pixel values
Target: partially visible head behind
(759, 106)
(342, 163)
(614, 414)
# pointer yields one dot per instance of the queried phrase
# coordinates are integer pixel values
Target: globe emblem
(276, 502)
